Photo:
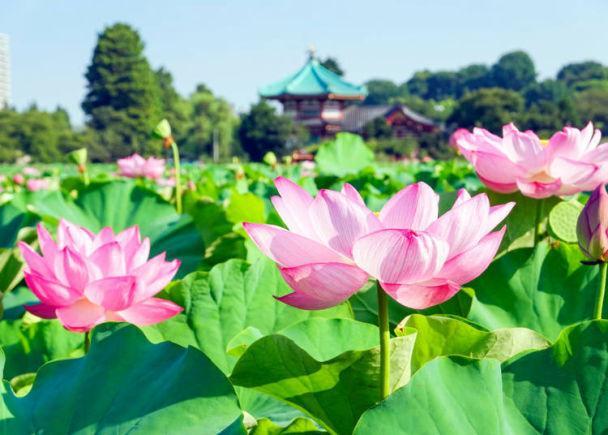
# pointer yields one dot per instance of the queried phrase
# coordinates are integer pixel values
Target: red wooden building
(325, 103)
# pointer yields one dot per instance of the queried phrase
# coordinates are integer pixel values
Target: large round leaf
(365, 306)
(126, 384)
(327, 367)
(560, 389)
(29, 345)
(221, 304)
(12, 219)
(447, 396)
(442, 336)
(544, 289)
(344, 155)
(521, 222)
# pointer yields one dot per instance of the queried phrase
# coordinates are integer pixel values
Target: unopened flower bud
(592, 226)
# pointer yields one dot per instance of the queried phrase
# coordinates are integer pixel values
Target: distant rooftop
(314, 79)
(356, 117)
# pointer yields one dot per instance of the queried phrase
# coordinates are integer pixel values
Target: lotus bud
(592, 226)
(79, 156)
(163, 131)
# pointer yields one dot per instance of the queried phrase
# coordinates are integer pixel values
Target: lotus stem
(178, 178)
(599, 303)
(87, 341)
(537, 224)
(84, 171)
(385, 337)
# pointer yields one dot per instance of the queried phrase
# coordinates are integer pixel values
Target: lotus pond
(516, 349)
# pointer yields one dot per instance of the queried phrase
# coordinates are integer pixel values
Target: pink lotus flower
(18, 179)
(456, 136)
(307, 168)
(166, 182)
(335, 244)
(85, 279)
(570, 162)
(35, 184)
(136, 166)
(30, 171)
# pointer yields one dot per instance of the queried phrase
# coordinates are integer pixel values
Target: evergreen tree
(514, 71)
(490, 108)
(380, 91)
(211, 118)
(174, 107)
(331, 63)
(574, 73)
(122, 100)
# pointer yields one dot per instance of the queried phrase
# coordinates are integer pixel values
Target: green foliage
(381, 91)
(419, 404)
(572, 400)
(440, 336)
(377, 129)
(177, 390)
(521, 222)
(490, 108)
(574, 73)
(331, 63)
(544, 288)
(346, 154)
(123, 100)
(174, 108)
(437, 85)
(27, 345)
(230, 298)
(592, 104)
(298, 426)
(513, 71)
(263, 130)
(210, 119)
(45, 136)
(327, 367)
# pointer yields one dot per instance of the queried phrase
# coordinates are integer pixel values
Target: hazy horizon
(235, 47)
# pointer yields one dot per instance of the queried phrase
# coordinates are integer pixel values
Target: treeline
(125, 98)
(509, 90)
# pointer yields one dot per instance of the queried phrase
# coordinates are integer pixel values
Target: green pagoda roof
(313, 79)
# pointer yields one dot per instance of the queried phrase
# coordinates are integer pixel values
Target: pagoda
(315, 97)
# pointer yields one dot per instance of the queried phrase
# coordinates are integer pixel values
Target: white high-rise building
(5, 72)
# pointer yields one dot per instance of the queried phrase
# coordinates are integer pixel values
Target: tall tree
(490, 108)
(592, 105)
(122, 101)
(211, 119)
(547, 90)
(513, 71)
(471, 78)
(418, 84)
(331, 63)
(573, 73)
(45, 136)
(263, 130)
(380, 91)
(174, 107)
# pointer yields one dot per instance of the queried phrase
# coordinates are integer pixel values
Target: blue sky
(236, 46)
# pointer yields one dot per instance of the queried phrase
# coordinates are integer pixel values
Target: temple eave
(337, 97)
